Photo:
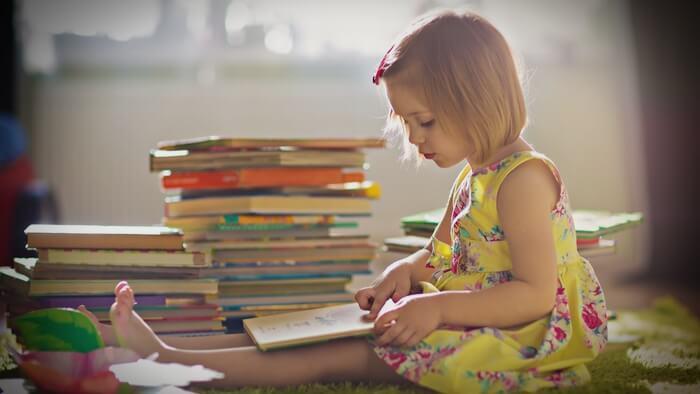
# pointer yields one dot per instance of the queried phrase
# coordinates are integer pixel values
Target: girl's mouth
(429, 156)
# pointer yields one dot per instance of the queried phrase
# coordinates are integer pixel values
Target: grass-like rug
(655, 350)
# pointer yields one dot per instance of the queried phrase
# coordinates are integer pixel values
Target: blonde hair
(468, 77)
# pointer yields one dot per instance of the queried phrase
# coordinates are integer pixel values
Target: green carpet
(655, 350)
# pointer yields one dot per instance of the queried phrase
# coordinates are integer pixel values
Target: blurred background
(93, 85)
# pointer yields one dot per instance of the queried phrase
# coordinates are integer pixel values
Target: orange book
(258, 177)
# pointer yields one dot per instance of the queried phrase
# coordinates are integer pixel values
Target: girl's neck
(518, 145)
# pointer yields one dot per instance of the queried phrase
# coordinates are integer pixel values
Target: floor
(631, 289)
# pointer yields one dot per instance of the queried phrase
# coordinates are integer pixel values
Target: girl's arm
(525, 200)
(400, 277)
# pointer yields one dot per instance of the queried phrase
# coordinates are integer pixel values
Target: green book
(594, 224)
(588, 223)
(423, 220)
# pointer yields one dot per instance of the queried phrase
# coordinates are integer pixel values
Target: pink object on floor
(75, 372)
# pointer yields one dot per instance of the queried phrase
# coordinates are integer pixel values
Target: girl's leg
(351, 359)
(341, 360)
(193, 343)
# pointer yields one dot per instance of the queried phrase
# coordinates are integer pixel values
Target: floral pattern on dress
(496, 234)
(413, 363)
(498, 381)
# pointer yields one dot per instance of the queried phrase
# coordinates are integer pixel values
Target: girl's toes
(120, 286)
(89, 314)
(126, 297)
(130, 295)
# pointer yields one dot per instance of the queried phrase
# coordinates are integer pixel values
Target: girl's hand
(409, 321)
(394, 283)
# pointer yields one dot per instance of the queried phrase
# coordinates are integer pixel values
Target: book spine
(268, 219)
(95, 301)
(257, 177)
(256, 277)
(105, 287)
(121, 258)
(282, 226)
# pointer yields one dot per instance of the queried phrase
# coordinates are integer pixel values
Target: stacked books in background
(277, 217)
(81, 265)
(591, 228)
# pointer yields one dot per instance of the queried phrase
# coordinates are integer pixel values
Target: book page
(302, 326)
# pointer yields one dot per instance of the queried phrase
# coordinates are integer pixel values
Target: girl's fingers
(380, 298)
(414, 340)
(391, 334)
(403, 338)
(401, 291)
(385, 319)
(380, 330)
(364, 298)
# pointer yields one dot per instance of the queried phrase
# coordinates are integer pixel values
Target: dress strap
(518, 159)
(463, 174)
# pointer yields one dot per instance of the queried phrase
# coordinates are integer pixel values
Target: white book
(309, 326)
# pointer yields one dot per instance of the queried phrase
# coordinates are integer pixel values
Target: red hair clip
(383, 65)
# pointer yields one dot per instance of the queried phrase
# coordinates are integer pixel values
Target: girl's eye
(427, 124)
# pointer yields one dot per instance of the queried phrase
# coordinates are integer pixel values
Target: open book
(309, 326)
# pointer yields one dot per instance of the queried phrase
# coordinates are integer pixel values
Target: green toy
(57, 329)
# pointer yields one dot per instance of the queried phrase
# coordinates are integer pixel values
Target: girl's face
(433, 143)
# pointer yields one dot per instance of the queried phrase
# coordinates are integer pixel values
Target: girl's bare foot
(105, 330)
(129, 329)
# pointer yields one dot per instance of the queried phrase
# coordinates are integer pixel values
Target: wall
(90, 136)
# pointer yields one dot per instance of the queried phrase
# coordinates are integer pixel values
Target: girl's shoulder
(528, 163)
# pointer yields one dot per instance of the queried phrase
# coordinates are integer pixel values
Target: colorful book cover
(184, 160)
(96, 301)
(142, 258)
(58, 236)
(217, 142)
(366, 189)
(255, 277)
(257, 178)
(282, 226)
(262, 204)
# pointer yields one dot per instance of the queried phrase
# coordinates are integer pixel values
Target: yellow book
(136, 258)
(14, 282)
(265, 204)
(309, 326)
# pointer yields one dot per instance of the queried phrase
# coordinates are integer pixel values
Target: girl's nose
(416, 137)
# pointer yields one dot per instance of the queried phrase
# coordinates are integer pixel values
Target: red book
(258, 177)
(587, 242)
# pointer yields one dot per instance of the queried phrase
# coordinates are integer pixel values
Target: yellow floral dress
(549, 352)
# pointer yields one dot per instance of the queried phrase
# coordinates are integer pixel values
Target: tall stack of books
(81, 265)
(591, 229)
(278, 217)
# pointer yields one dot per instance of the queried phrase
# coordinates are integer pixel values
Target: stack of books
(277, 217)
(81, 265)
(591, 229)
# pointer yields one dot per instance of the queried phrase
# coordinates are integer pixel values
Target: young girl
(499, 300)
